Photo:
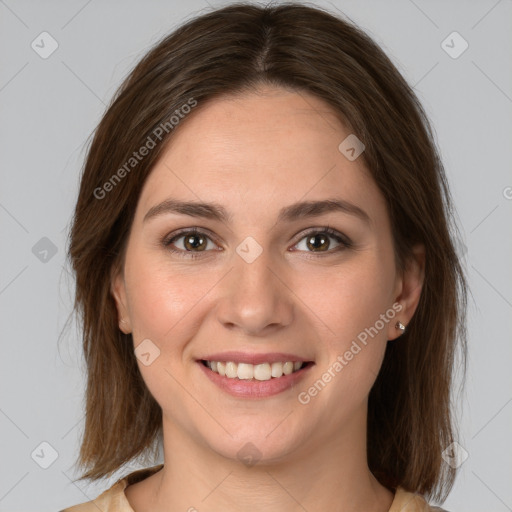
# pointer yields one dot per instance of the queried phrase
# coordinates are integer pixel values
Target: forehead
(257, 150)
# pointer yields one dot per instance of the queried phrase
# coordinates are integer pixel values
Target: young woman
(265, 269)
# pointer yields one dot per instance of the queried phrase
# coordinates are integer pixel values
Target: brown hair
(302, 48)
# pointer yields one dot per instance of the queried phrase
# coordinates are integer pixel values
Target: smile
(267, 375)
(247, 371)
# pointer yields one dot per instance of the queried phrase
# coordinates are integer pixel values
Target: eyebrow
(289, 213)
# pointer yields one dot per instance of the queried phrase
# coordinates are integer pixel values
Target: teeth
(262, 371)
(246, 371)
(231, 370)
(276, 370)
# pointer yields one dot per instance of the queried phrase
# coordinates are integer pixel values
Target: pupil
(324, 242)
(190, 244)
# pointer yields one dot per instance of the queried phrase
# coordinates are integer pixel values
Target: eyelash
(343, 240)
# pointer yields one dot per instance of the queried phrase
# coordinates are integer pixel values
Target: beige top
(114, 499)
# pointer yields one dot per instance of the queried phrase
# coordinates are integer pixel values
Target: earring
(400, 325)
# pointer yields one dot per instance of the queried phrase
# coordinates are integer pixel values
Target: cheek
(354, 339)
(168, 303)
(164, 308)
(351, 297)
(156, 305)
(350, 304)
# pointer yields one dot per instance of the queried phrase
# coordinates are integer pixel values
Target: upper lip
(246, 357)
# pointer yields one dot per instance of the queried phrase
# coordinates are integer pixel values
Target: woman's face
(261, 281)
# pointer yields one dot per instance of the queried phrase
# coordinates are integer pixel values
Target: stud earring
(400, 325)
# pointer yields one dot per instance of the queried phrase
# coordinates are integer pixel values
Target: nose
(255, 298)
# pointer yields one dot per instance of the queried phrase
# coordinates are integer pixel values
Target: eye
(189, 241)
(319, 241)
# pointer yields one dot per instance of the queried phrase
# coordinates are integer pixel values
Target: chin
(257, 443)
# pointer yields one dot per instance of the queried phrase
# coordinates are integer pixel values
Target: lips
(247, 375)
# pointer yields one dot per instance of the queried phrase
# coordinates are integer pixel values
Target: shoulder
(406, 501)
(106, 501)
(114, 498)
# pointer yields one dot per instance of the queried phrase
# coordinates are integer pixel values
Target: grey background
(49, 107)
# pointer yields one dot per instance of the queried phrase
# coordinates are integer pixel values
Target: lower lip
(255, 388)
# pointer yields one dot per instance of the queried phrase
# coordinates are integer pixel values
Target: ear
(408, 290)
(118, 291)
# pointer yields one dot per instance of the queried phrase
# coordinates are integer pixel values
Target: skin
(254, 154)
